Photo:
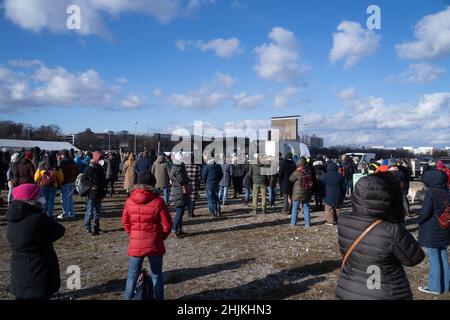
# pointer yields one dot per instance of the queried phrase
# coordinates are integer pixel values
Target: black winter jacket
(431, 235)
(388, 246)
(96, 176)
(287, 167)
(34, 264)
(334, 186)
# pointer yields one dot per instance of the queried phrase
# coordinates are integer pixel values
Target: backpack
(83, 185)
(306, 181)
(48, 178)
(144, 287)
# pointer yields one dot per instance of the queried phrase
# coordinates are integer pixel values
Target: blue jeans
(439, 275)
(178, 221)
(271, 192)
(246, 194)
(213, 200)
(191, 206)
(67, 199)
(166, 194)
(223, 193)
(49, 193)
(294, 213)
(96, 206)
(156, 263)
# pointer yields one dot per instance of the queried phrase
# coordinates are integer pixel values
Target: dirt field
(237, 256)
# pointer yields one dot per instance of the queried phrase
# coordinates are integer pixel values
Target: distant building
(312, 141)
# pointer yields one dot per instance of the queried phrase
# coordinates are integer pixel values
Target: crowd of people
(156, 182)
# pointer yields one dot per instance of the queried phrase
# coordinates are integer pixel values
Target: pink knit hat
(96, 156)
(26, 191)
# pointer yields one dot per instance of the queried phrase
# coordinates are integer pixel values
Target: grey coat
(227, 170)
(179, 178)
(160, 170)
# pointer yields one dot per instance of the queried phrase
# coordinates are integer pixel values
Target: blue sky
(168, 63)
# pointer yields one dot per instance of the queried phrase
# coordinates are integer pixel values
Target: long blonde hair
(131, 159)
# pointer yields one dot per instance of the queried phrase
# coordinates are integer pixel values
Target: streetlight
(135, 128)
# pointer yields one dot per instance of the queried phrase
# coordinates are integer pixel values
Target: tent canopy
(16, 145)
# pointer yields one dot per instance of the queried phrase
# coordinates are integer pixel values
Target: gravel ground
(237, 256)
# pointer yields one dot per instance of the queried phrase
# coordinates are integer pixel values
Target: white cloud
(215, 93)
(243, 100)
(132, 102)
(224, 48)
(28, 84)
(420, 73)
(352, 42)
(198, 100)
(280, 59)
(225, 80)
(371, 121)
(158, 92)
(284, 98)
(38, 15)
(432, 34)
(121, 80)
(348, 94)
(238, 4)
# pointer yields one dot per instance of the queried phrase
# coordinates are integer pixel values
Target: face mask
(101, 162)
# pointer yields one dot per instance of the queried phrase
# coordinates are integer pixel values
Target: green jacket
(256, 176)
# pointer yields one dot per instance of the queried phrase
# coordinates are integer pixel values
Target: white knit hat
(15, 157)
(178, 157)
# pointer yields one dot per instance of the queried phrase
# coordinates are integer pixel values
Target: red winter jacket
(147, 220)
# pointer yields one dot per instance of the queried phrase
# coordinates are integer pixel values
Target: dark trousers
(238, 185)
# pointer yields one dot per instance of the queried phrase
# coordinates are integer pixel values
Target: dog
(414, 190)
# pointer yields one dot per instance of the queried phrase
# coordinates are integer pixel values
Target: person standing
(385, 249)
(287, 167)
(49, 177)
(25, 170)
(301, 195)
(271, 188)
(225, 183)
(34, 267)
(96, 175)
(129, 170)
(143, 164)
(179, 196)
(112, 171)
(160, 170)
(212, 175)
(348, 168)
(238, 177)
(70, 172)
(335, 185)
(194, 172)
(147, 221)
(319, 188)
(431, 235)
(15, 158)
(260, 182)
